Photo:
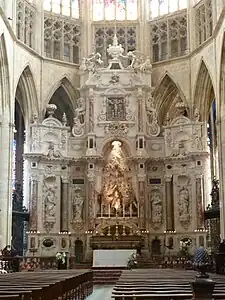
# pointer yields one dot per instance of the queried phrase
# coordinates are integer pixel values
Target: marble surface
(101, 292)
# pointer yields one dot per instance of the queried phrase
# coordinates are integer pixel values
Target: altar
(117, 258)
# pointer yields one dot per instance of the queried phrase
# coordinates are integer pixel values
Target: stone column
(221, 146)
(91, 114)
(141, 189)
(199, 203)
(91, 205)
(39, 28)
(64, 204)
(6, 139)
(33, 203)
(169, 204)
(140, 111)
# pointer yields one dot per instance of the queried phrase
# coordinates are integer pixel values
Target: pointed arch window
(69, 8)
(114, 10)
(162, 7)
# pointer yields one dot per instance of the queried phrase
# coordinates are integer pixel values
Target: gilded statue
(117, 187)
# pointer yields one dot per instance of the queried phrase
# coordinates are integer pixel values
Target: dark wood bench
(147, 284)
(47, 285)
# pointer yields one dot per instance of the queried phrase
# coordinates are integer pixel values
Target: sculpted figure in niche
(52, 153)
(50, 203)
(79, 120)
(78, 201)
(184, 205)
(156, 207)
(117, 189)
(115, 109)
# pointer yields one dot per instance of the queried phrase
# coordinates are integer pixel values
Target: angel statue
(139, 63)
(92, 62)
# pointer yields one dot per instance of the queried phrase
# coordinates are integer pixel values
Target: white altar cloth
(111, 258)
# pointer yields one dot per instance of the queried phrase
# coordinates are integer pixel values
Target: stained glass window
(114, 10)
(68, 8)
(163, 7)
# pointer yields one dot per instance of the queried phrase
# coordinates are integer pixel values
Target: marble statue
(91, 63)
(79, 121)
(50, 203)
(184, 205)
(78, 201)
(156, 208)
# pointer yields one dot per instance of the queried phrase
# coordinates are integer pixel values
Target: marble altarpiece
(118, 172)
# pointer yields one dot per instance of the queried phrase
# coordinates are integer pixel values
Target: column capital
(168, 178)
(65, 179)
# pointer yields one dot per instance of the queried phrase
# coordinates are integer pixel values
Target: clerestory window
(162, 7)
(69, 8)
(114, 10)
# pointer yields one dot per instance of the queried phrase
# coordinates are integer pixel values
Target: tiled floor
(101, 292)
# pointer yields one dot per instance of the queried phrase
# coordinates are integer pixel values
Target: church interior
(111, 137)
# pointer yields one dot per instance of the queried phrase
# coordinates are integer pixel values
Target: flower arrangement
(185, 246)
(61, 256)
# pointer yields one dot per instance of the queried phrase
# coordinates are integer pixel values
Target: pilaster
(6, 139)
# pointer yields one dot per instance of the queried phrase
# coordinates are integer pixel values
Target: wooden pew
(151, 284)
(47, 285)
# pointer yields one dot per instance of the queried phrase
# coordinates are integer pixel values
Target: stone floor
(101, 292)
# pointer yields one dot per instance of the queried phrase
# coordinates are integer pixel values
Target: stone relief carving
(181, 152)
(117, 129)
(153, 129)
(115, 110)
(197, 140)
(184, 206)
(78, 201)
(156, 208)
(52, 153)
(49, 201)
(114, 78)
(79, 120)
(168, 138)
(197, 115)
(116, 107)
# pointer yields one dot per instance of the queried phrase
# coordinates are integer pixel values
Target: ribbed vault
(167, 95)
(204, 92)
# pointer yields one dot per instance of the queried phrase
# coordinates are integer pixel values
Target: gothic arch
(26, 94)
(203, 92)
(167, 94)
(64, 96)
(67, 85)
(4, 79)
